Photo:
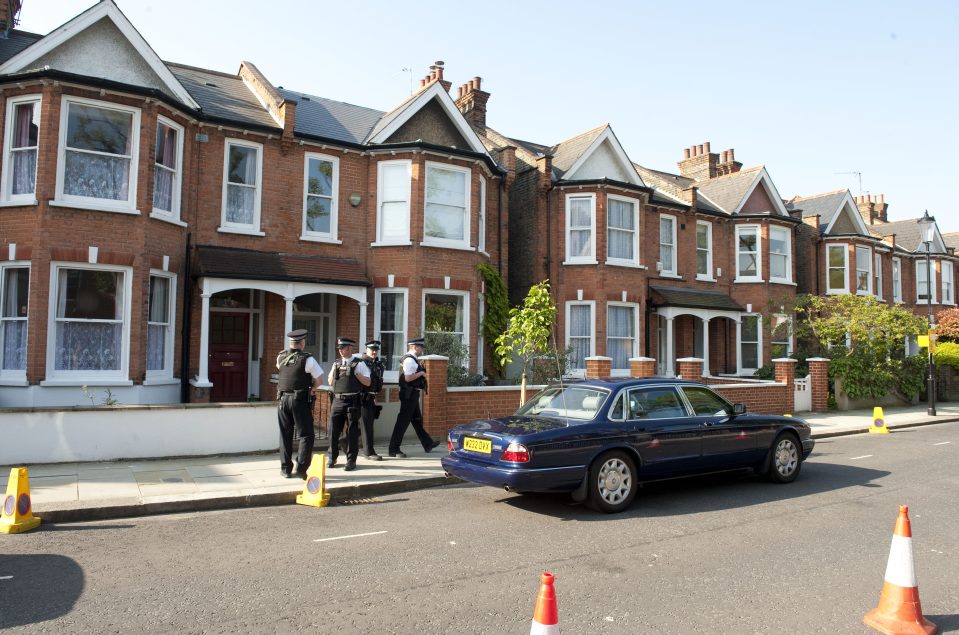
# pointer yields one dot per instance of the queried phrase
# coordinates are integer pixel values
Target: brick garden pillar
(434, 401)
(642, 367)
(690, 368)
(819, 383)
(786, 374)
(598, 367)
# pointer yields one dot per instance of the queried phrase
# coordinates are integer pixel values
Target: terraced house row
(162, 226)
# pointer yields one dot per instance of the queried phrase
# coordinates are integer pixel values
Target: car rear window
(573, 402)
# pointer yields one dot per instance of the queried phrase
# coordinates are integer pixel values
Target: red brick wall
(774, 399)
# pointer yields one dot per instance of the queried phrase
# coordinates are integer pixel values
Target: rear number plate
(478, 445)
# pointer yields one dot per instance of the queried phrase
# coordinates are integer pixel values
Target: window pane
(396, 182)
(14, 341)
(620, 334)
(320, 178)
(96, 176)
(88, 346)
(318, 214)
(239, 204)
(156, 346)
(242, 168)
(88, 294)
(621, 214)
(445, 204)
(705, 402)
(159, 299)
(580, 212)
(15, 287)
(837, 257)
(444, 313)
(99, 129)
(166, 146)
(750, 329)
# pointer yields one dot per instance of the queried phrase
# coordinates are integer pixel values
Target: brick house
(162, 226)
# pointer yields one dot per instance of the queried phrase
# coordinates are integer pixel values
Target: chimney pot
(725, 155)
(685, 153)
(882, 199)
(700, 148)
(422, 83)
(732, 155)
(695, 153)
(707, 147)
(477, 81)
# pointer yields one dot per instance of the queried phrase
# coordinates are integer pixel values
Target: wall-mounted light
(355, 199)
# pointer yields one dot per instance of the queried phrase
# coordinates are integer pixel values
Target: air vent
(305, 98)
(211, 84)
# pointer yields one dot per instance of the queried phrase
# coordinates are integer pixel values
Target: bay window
(780, 262)
(621, 327)
(667, 245)
(579, 332)
(447, 214)
(320, 197)
(446, 312)
(14, 290)
(896, 280)
(393, 202)
(160, 326)
(622, 230)
(242, 187)
(581, 229)
(704, 250)
(748, 261)
(750, 345)
(390, 325)
(20, 145)
(168, 169)
(863, 271)
(836, 256)
(948, 290)
(877, 275)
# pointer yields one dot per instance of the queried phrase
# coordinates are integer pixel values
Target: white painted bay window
(923, 286)
(393, 202)
(447, 312)
(580, 335)
(667, 245)
(242, 187)
(14, 294)
(390, 325)
(780, 255)
(621, 328)
(622, 230)
(446, 221)
(20, 145)
(481, 241)
(877, 275)
(160, 326)
(948, 289)
(896, 280)
(750, 344)
(581, 229)
(781, 336)
(321, 175)
(168, 170)
(836, 262)
(748, 257)
(863, 271)
(704, 250)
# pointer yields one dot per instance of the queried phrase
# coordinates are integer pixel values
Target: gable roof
(572, 155)
(830, 206)
(105, 9)
(731, 191)
(15, 42)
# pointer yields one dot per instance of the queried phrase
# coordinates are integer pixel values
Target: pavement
(74, 492)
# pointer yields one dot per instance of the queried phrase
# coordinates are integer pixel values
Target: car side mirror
(739, 409)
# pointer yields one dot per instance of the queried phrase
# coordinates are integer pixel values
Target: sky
(826, 94)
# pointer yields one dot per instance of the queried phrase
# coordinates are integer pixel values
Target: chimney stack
(873, 208)
(472, 103)
(701, 163)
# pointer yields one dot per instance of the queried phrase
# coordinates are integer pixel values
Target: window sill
(483, 252)
(160, 381)
(837, 292)
(86, 382)
(748, 281)
(456, 247)
(196, 383)
(671, 276)
(321, 239)
(788, 283)
(580, 262)
(394, 243)
(625, 263)
(94, 207)
(23, 203)
(13, 381)
(700, 278)
(237, 230)
(167, 218)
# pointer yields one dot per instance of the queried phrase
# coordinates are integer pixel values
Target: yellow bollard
(314, 492)
(17, 516)
(878, 422)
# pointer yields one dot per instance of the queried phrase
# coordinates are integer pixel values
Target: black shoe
(330, 463)
(374, 457)
(286, 473)
(398, 454)
(432, 446)
(301, 475)
(350, 466)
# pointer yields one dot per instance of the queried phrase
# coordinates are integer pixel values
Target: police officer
(373, 368)
(299, 374)
(412, 380)
(348, 386)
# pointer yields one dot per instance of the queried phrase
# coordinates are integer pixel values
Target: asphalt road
(719, 554)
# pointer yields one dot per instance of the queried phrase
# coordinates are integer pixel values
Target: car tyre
(612, 482)
(785, 459)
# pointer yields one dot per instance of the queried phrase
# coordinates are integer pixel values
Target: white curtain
(620, 334)
(24, 148)
(622, 229)
(445, 204)
(89, 327)
(158, 323)
(395, 206)
(241, 189)
(580, 228)
(580, 330)
(666, 244)
(97, 153)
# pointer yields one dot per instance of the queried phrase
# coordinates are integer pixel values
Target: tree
(865, 341)
(528, 330)
(948, 325)
(497, 310)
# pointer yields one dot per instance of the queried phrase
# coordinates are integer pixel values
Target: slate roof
(222, 95)
(664, 183)
(331, 119)
(952, 240)
(729, 190)
(566, 153)
(695, 299)
(227, 262)
(907, 234)
(826, 205)
(16, 42)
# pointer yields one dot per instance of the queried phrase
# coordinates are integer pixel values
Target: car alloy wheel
(613, 482)
(784, 466)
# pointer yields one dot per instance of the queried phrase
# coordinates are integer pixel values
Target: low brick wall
(764, 398)
(465, 404)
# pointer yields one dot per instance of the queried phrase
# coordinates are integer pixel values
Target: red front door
(229, 355)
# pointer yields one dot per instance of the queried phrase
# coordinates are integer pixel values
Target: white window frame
(174, 213)
(867, 272)
(589, 259)
(920, 266)
(252, 228)
(466, 313)
(305, 232)
(788, 255)
(391, 374)
(167, 371)
(456, 243)
(402, 238)
(947, 282)
(11, 374)
(481, 220)
(667, 268)
(629, 262)
(635, 348)
(592, 330)
(87, 202)
(789, 333)
(708, 276)
(81, 377)
(7, 176)
(877, 274)
(740, 370)
(480, 340)
(743, 229)
(897, 279)
(845, 269)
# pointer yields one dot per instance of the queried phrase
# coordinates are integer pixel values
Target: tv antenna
(858, 174)
(407, 69)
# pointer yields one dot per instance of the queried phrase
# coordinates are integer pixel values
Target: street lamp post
(927, 226)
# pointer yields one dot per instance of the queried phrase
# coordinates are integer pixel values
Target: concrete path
(70, 492)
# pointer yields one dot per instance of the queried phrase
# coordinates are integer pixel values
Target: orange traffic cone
(899, 612)
(545, 616)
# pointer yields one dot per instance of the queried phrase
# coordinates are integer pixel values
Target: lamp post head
(927, 225)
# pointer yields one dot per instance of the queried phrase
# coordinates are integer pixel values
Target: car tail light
(516, 453)
(449, 443)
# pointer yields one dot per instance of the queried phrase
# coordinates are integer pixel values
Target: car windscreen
(573, 402)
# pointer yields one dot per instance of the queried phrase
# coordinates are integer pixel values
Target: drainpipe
(187, 326)
(549, 235)
(499, 227)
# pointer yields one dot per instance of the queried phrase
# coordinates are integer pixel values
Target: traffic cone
(17, 516)
(899, 612)
(545, 615)
(878, 422)
(314, 492)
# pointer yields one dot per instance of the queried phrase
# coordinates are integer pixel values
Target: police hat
(373, 344)
(417, 341)
(345, 341)
(297, 335)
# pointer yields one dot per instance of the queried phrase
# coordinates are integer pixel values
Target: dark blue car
(600, 438)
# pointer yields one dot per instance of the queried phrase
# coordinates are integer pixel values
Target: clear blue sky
(810, 89)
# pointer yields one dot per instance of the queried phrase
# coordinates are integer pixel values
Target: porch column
(706, 372)
(288, 318)
(361, 343)
(670, 362)
(203, 371)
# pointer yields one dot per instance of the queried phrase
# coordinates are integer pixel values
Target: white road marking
(943, 443)
(372, 533)
(6, 577)
(864, 456)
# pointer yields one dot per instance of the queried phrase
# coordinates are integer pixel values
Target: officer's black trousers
(295, 414)
(344, 411)
(368, 414)
(410, 413)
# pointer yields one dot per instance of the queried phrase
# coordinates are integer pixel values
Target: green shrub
(449, 345)
(947, 354)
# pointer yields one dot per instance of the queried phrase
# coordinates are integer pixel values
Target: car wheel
(785, 461)
(612, 482)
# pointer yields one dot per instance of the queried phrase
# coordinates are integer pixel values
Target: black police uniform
(347, 393)
(369, 409)
(295, 411)
(410, 412)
